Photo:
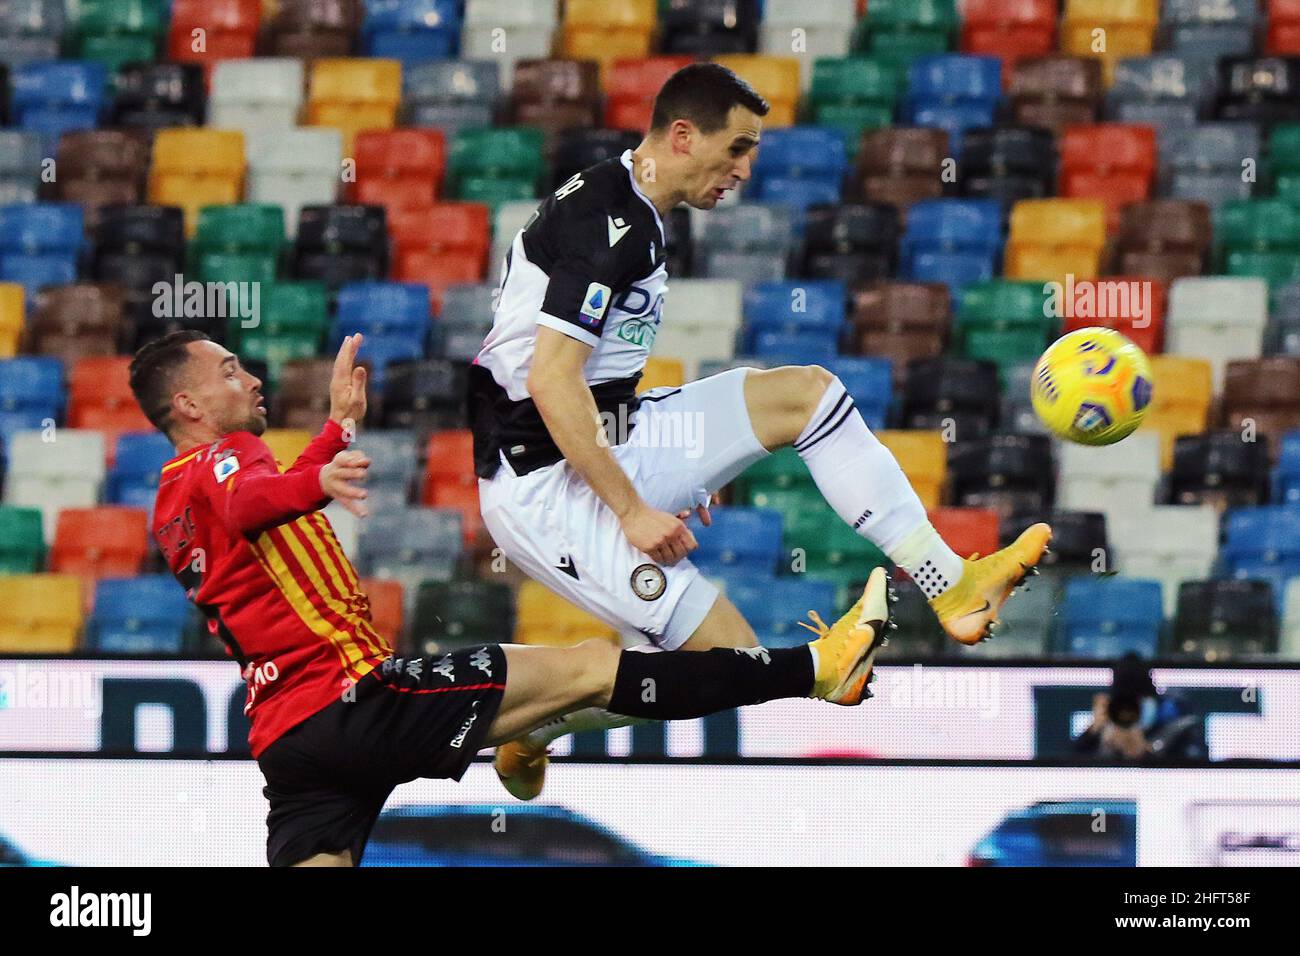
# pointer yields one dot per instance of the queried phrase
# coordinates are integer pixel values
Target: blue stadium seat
(55, 97)
(954, 241)
(1278, 573)
(805, 347)
(869, 382)
(133, 479)
(740, 539)
(954, 93)
(802, 166)
(1286, 477)
(795, 318)
(1109, 617)
(1267, 534)
(394, 316)
(31, 392)
(773, 606)
(144, 615)
(40, 244)
(413, 31)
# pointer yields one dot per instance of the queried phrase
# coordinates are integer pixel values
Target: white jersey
(590, 264)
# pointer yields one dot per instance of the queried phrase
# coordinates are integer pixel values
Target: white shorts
(686, 444)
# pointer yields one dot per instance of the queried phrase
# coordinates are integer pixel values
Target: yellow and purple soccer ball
(1092, 386)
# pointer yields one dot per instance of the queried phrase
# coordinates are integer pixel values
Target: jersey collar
(626, 160)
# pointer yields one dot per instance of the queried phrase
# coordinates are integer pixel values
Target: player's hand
(348, 386)
(706, 519)
(663, 536)
(339, 479)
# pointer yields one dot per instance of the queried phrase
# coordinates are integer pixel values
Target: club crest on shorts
(648, 582)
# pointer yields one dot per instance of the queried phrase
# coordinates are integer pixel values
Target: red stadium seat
(208, 31)
(399, 168)
(462, 228)
(449, 462)
(1283, 28)
(438, 270)
(1148, 332)
(1010, 29)
(95, 543)
(968, 531)
(99, 397)
(632, 86)
(385, 606)
(1113, 162)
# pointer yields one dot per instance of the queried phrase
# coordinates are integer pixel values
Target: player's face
(724, 159)
(226, 394)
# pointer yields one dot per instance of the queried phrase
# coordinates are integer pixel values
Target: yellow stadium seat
(40, 613)
(660, 372)
(608, 30)
(1050, 238)
(611, 14)
(1181, 395)
(923, 456)
(776, 78)
(11, 318)
(1109, 30)
(543, 617)
(286, 444)
(354, 94)
(194, 167)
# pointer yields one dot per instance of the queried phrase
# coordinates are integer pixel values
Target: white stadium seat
(67, 472)
(293, 168)
(1218, 318)
(251, 95)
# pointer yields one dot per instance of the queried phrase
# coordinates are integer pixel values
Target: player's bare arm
(556, 384)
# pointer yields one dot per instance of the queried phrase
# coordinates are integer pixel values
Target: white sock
(861, 480)
(592, 718)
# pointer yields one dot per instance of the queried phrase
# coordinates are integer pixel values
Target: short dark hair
(153, 373)
(704, 93)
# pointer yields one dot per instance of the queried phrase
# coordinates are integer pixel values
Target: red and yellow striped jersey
(253, 551)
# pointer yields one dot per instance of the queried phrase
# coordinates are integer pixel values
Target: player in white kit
(585, 485)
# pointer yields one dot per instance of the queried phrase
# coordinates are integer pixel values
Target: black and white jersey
(590, 263)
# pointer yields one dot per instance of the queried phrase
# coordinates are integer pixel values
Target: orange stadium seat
(1051, 238)
(11, 318)
(968, 531)
(631, 87)
(354, 94)
(923, 456)
(193, 168)
(208, 31)
(1113, 162)
(445, 228)
(100, 398)
(661, 371)
(94, 543)
(543, 617)
(1010, 29)
(40, 613)
(1181, 394)
(449, 461)
(399, 168)
(1109, 30)
(385, 607)
(776, 78)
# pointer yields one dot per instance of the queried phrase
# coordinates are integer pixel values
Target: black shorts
(328, 777)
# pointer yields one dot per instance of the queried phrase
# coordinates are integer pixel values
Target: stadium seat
(77, 321)
(774, 606)
(209, 31)
(1110, 617)
(1217, 318)
(240, 242)
(31, 395)
(97, 168)
(446, 230)
(869, 382)
(143, 615)
(94, 543)
(555, 95)
(577, 149)
(258, 94)
(953, 92)
(853, 94)
(1168, 543)
(819, 544)
(901, 321)
(354, 94)
(412, 31)
(466, 318)
(544, 618)
(399, 168)
(292, 323)
(286, 444)
(1261, 398)
(712, 27)
(311, 30)
(607, 30)
(1206, 162)
(394, 461)
(451, 95)
(1283, 37)
(901, 165)
(1221, 29)
(1054, 91)
(1113, 162)
(13, 309)
(740, 540)
(631, 86)
(40, 244)
(1164, 238)
(661, 372)
(802, 166)
(1003, 473)
(1129, 28)
(776, 78)
(954, 241)
(116, 32)
(425, 396)
(1217, 468)
(1005, 322)
(855, 243)
(968, 531)
(825, 32)
(749, 242)
(809, 313)
(193, 168)
(40, 613)
(1259, 237)
(954, 396)
(1052, 238)
(31, 31)
(923, 456)
(504, 31)
(899, 30)
(449, 461)
(292, 168)
(394, 316)
(494, 166)
(1181, 394)
(386, 608)
(154, 96)
(20, 166)
(1011, 30)
(452, 614)
(133, 480)
(1166, 91)
(1259, 90)
(702, 317)
(100, 398)
(56, 97)
(22, 542)
(340, 244)
(1007, 163)
(1116, 480)
(1225, 620)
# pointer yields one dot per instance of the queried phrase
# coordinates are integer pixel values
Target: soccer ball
(1092, 386)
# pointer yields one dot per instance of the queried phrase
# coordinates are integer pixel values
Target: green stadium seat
(854, 94)
(495, 166)
(22, 543)
(462, 613)
(898, 31)
(238, 243)
(832, 550)
(1004, 322)
(117, 32)
(781, 470)
(1284, 157)
(1261, 238)
(293, 321)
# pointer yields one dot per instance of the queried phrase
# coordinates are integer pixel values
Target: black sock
(683, 684)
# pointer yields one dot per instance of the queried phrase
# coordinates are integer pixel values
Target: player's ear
(185, 408)
(681, 135)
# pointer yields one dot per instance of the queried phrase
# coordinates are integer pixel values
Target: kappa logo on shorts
(648, 582)
(482, 660)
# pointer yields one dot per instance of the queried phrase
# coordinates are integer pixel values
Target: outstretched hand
(348, 385)
(341, 477)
